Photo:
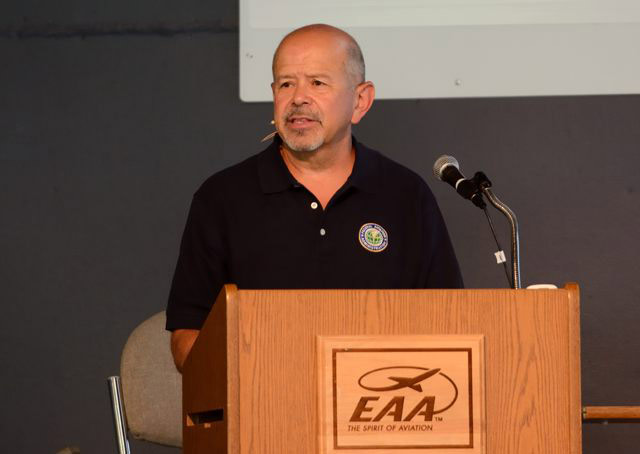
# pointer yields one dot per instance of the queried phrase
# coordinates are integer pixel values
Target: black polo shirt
(255, 226)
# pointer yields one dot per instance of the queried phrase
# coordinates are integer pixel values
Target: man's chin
(302, 146)
(303, 149)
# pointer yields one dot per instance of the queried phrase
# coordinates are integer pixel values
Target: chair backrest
(151, 385)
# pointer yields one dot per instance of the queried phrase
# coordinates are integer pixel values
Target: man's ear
(364, 95)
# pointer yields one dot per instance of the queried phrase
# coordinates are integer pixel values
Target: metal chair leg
(120, 425)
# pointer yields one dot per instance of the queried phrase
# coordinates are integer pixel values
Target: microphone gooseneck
(447, 169)
(485, 186)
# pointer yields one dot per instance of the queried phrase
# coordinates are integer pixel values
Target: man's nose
(301, 94)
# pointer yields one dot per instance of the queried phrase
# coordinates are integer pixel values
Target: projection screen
(461, 48)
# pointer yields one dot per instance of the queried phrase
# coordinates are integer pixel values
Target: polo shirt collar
(365, 174)
(272, 171)
(275, 176)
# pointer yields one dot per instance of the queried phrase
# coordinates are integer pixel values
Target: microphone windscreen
(442, 163)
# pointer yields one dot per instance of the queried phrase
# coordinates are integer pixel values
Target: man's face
(313, 95)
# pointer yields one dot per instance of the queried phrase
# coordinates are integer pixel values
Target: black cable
(493, 231)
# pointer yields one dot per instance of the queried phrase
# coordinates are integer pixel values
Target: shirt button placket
(314, 206)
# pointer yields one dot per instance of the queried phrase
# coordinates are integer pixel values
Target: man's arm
(181, 342)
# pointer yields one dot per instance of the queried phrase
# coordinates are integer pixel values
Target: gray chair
(146, 398)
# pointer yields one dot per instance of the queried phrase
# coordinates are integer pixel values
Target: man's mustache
(301, 113)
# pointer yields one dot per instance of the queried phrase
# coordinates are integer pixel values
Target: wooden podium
(251, 382)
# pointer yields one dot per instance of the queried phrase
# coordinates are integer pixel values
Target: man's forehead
(330, 36)
(313, 54)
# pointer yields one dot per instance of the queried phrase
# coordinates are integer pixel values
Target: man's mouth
(301, 123)
(300, 120)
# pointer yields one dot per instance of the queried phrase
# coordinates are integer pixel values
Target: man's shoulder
(239, 176)
(393, 173)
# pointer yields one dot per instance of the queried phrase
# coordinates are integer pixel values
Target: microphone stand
(485, 186)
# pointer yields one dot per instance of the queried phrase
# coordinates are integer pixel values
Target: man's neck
(328, 158)
(322, 171)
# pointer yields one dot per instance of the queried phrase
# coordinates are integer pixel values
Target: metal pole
(120, 425)
(515, 235)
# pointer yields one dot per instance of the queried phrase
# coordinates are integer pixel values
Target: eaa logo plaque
(408, 394)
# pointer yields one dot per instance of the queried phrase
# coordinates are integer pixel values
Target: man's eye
(285, 85)
(317, 83)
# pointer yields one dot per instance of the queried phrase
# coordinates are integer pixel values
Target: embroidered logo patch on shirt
(373, 237)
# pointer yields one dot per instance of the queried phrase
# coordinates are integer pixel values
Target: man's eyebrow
(319, 76)
(308, 76)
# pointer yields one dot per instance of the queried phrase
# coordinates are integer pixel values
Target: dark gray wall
(110, 117)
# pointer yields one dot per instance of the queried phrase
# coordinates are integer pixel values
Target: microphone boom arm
(485, 187)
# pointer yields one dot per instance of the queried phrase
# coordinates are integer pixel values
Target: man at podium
(316, 208)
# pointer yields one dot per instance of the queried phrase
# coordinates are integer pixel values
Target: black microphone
(447, 169)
